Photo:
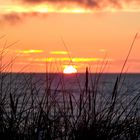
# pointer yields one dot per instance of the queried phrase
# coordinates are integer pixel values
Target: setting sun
(69, 69)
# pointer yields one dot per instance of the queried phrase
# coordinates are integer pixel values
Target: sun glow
(69, 69)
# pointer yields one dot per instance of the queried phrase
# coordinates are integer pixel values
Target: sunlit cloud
(43, 9)
(29, 51)
(59, 52)
(89, 4)
(17, 11)
(69, 6)
(66, 59)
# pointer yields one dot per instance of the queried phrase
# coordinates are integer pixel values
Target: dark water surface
(71, 82)
(59, 86)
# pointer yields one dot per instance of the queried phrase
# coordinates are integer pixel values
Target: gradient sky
(55, 33)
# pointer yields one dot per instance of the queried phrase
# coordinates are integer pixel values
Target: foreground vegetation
(28, 112)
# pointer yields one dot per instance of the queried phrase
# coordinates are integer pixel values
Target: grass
(27, 112)
(31, 110)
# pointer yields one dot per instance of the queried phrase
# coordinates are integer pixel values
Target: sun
(69, 69)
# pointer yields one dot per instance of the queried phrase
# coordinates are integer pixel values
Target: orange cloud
(59, 52)
(66, 59)
(72, 6)
(16, 17)
(89, 4)
(43, 9)
(19, 10)
(29, 51)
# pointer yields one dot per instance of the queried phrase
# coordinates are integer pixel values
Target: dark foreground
(58, 107)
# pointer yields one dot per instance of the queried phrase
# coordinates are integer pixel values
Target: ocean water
(74, 83)
(60, 86)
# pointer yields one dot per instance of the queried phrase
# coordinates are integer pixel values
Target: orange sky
(94, 33)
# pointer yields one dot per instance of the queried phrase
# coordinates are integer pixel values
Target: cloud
(84, 2)
(29, 51)
(59, 52)
(12, 18)
(15, 17)
(20, 10)
(67, 59)
(89, 3)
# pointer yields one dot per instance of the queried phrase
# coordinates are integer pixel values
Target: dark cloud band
(16, 17)
(88, 3)
(13, 18)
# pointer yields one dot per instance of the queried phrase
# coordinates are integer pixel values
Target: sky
(47, 35)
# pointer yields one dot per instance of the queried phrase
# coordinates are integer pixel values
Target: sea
(129, 83)
(58, 86)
